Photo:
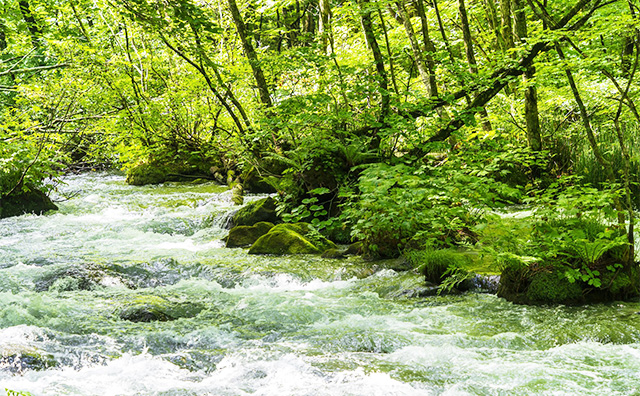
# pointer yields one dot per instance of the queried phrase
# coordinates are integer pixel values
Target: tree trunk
(32, 24)
(415, 47)
(383, 82)
(471, 57)
(251, 55)
(531, 94)
(429, 49)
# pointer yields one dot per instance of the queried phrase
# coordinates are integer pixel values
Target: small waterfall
(223, 220)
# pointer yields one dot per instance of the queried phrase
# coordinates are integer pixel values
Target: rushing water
(250, 325)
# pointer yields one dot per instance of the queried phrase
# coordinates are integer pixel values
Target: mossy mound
(551, 284)
(253, 182)
(156, 172)
(296, 238)
(552, 287)
(241, 236)
(35, 201)
(156, 309)
(263, 210)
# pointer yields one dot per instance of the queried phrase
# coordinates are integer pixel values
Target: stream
(258, 325)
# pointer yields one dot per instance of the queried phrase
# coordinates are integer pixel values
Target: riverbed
(257, 325)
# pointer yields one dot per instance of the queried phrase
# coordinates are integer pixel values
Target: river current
(257, 325)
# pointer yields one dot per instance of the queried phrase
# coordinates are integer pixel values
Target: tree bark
(383, 81)
(251, 55)
(532, 118)
(471, 57)
(32, 25)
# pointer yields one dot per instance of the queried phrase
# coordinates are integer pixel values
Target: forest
(409, 126)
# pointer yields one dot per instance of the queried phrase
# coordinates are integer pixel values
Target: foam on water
(253, 325)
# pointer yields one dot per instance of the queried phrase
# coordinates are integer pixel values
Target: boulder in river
(295, 238)
(18, 358)
(241, 236)
(34, 201)
(157, 309)
(257, 211)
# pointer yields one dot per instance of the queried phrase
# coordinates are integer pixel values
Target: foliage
(435, 204)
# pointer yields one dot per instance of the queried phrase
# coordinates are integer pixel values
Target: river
(251, 325)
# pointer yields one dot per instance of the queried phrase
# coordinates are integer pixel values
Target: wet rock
(18, 359)
(241, 236)
(281, 242)
(257, 211)
(334, 254)
(35, 201)
(157, 309)
(296, 238)
(355, 249)
(156, 172)
(253, 182)
(73, 278)
(237, 194)
(67, 279)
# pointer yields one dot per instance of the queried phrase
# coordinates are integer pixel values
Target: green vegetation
(403, 125)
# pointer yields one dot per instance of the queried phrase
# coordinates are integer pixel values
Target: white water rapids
(250, 325)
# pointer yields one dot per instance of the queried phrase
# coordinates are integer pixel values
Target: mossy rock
(241, 236)
(257, 211)
(35, 201)
(148, 173)
(294, 238)
(310, 233)
(253, 182)
(156, 172)
(355, 249)
(18, 359)
(283, 241)
(334, 254)
(157, 309)
(553, 288)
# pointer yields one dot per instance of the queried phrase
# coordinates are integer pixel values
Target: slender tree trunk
(383, 81)
(471, 57)
(32, 25)
(79, 20)
(530, 95)
(389, 53)
(429, 49)
(251, 54)
(505, 23)
(324, 27)
(415, 46)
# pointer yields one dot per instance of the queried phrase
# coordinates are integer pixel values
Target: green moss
(26, 202)
(333, 254)
(283, 241)
(246, 235)
(310, 233)
(148, 173)
(552, 287)
(257, 211)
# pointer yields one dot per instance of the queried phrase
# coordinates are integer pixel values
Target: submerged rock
(241, 236)
(72, 278)
(36, 202)
(156, 309)
(157, 172)
(257, 211)
(18, 359)
(296, 238)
